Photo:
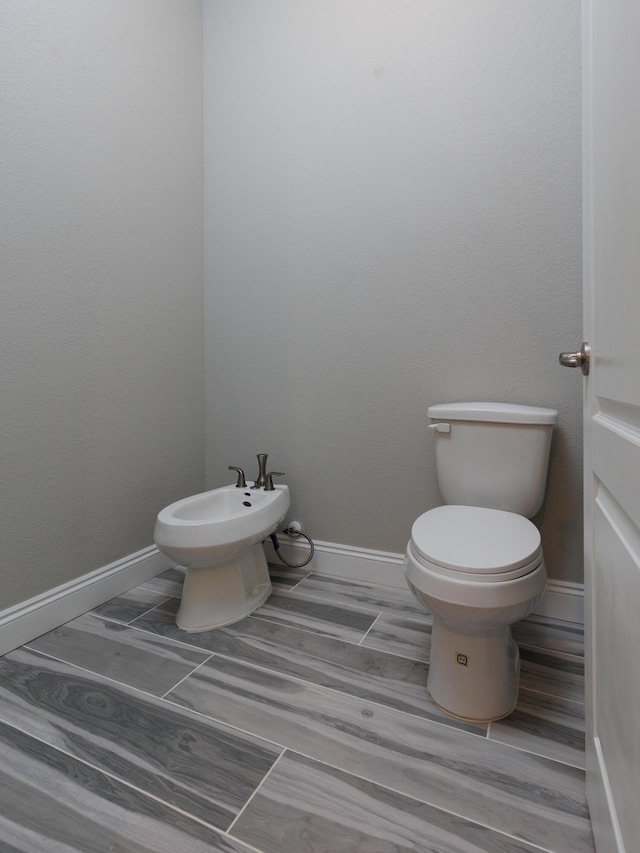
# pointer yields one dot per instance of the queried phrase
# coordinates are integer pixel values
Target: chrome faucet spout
(241, 484)
(261, 479)
(270, 487)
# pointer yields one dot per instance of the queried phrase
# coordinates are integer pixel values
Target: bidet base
(223, 594)
(474, 676)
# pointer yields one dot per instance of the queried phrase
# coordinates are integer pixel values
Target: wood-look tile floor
(305, 728)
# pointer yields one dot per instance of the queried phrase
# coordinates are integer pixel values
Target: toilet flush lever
(440, 427)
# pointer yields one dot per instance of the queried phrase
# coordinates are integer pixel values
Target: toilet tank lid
(503, 413)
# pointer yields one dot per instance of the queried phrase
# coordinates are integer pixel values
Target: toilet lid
(475, 539)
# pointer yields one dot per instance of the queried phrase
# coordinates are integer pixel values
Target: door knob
(577, 359)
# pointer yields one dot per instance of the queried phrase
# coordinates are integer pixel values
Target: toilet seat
(461, 576)
(476, 543)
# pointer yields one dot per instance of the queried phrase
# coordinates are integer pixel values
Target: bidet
(217, 537)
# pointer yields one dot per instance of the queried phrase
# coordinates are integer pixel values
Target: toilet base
(474, 676)
(223, 594)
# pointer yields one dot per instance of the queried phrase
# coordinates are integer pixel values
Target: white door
(612, 418)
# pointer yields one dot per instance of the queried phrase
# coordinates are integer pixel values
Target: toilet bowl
(477, 571)
(217, 537)
(477, 563)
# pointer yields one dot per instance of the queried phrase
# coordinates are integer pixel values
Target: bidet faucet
(270, 487)
(241, 484)
(261, 479)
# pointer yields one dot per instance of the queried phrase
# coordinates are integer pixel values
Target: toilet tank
(494, 455)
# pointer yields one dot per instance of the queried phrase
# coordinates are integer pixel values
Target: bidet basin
(210, 527)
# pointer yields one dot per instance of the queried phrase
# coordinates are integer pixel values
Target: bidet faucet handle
(241, 484)
(269, 486)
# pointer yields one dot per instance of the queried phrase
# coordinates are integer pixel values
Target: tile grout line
(260, 784)
(295, 678)
(182, 643)
(284, 749)
(411, 614)
(357, 775)
(538, 754)
(551, 652)
(147, 586)
(289, 588)
(427, 720)
(113, 619)
(210, 655)
(558, 655)
(128, 784)
(256, 615)
(99, 676)
(159, 604)
(255, 666)
(140, 630)
(165, 698)
(195, 669)
(548, 624)
(525, 690)
(552, 695)
(291, 626)
(366, 633)
(307, 630)
(218, 830)
(396, 654)
(394, 791)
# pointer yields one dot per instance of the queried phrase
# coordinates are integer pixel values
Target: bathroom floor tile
(327, 619)
(508, 790)
(168, 583)
(305, 805)
(546, 725)
(129, 605)
(380, 599)
(401, 635)
(205, 769)
(367, 673)
(51, 801)
(543, 633)
(143, 661)
(336, 675)
(556, 674)
(283, 577)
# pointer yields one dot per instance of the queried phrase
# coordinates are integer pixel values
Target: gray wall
(392, 220)
(101, 320)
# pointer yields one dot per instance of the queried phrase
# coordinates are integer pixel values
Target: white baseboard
(344, 561)
(29, 619)
(561, 600)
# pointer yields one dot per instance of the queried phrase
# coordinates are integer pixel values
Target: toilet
(217, 537)
(476, 563)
